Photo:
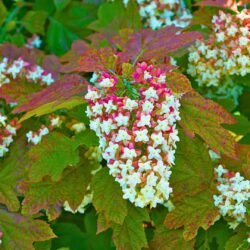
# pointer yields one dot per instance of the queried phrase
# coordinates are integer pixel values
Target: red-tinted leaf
(18, 92)
(165, 239)
(179, 83)
(204, 117)
(147, 44)
(51, 195)
(92, 60)
(58, 92)
(193, 212)
(20, 232)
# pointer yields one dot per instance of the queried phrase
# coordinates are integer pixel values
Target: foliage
(50, 162)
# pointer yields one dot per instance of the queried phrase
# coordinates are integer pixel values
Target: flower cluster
(224, 54)
(137, 136)
(20, 69)
(36, 137)
(159, 13)
(34, 42)
(234, 193)
(8, 130)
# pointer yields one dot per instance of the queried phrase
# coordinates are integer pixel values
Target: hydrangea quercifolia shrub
(106, 142)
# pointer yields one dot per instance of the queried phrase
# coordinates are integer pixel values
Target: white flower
(97, 108)
(220, 170)
(107, 126)
(129, 193)
(243, 41)
(11, 129)
(147, 106)
(146, 75)
(78, 127)
(3, 119)
(110, 106)
(144, 120)
(47, 79)
(157, 138)
(148, 192)
(220, 36)
(232, 30)
(122, 136)
(3, 150)
(141, 135)
(164, 187)
(162, 125)
(122, 120)
(95, 125)
(92, 95)
(140, 201)
(154, 153)
(110, 151)
(152, 179)
(106, 83)
(130, 104)
(150, 93)
(43, 131)
(129, 153)
(144, 166)
(133, 179)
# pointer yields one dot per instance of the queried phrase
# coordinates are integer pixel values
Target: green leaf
(239, 240)
(69, 25)
(59, 38)
(193, 212)
(88, 138)
(204, 117)
(52, 156)
(51, 196)
(3, 12)
(165, 239)
(130, 234)
(52, 107)
(107, 197)
(43, 245)
(178, 83)
(61, 4)
(20, 232)
(34, 21)
(193, 170)
(11, 171)
(81, 236)
(114, 16)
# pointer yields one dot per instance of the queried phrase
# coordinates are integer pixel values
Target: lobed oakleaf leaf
(107, 197)
(52, 107)
(204, 118)
(166, 239)
(11, 172)
(18, 92)
(56, 94)
(130, 234)
(242, 163)
(51, 156)
(239, 239)
(193, 212)
(20, 232)
(179, 83)
(191, 174)
(92, 60)
(51, 195)
(147, 44)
